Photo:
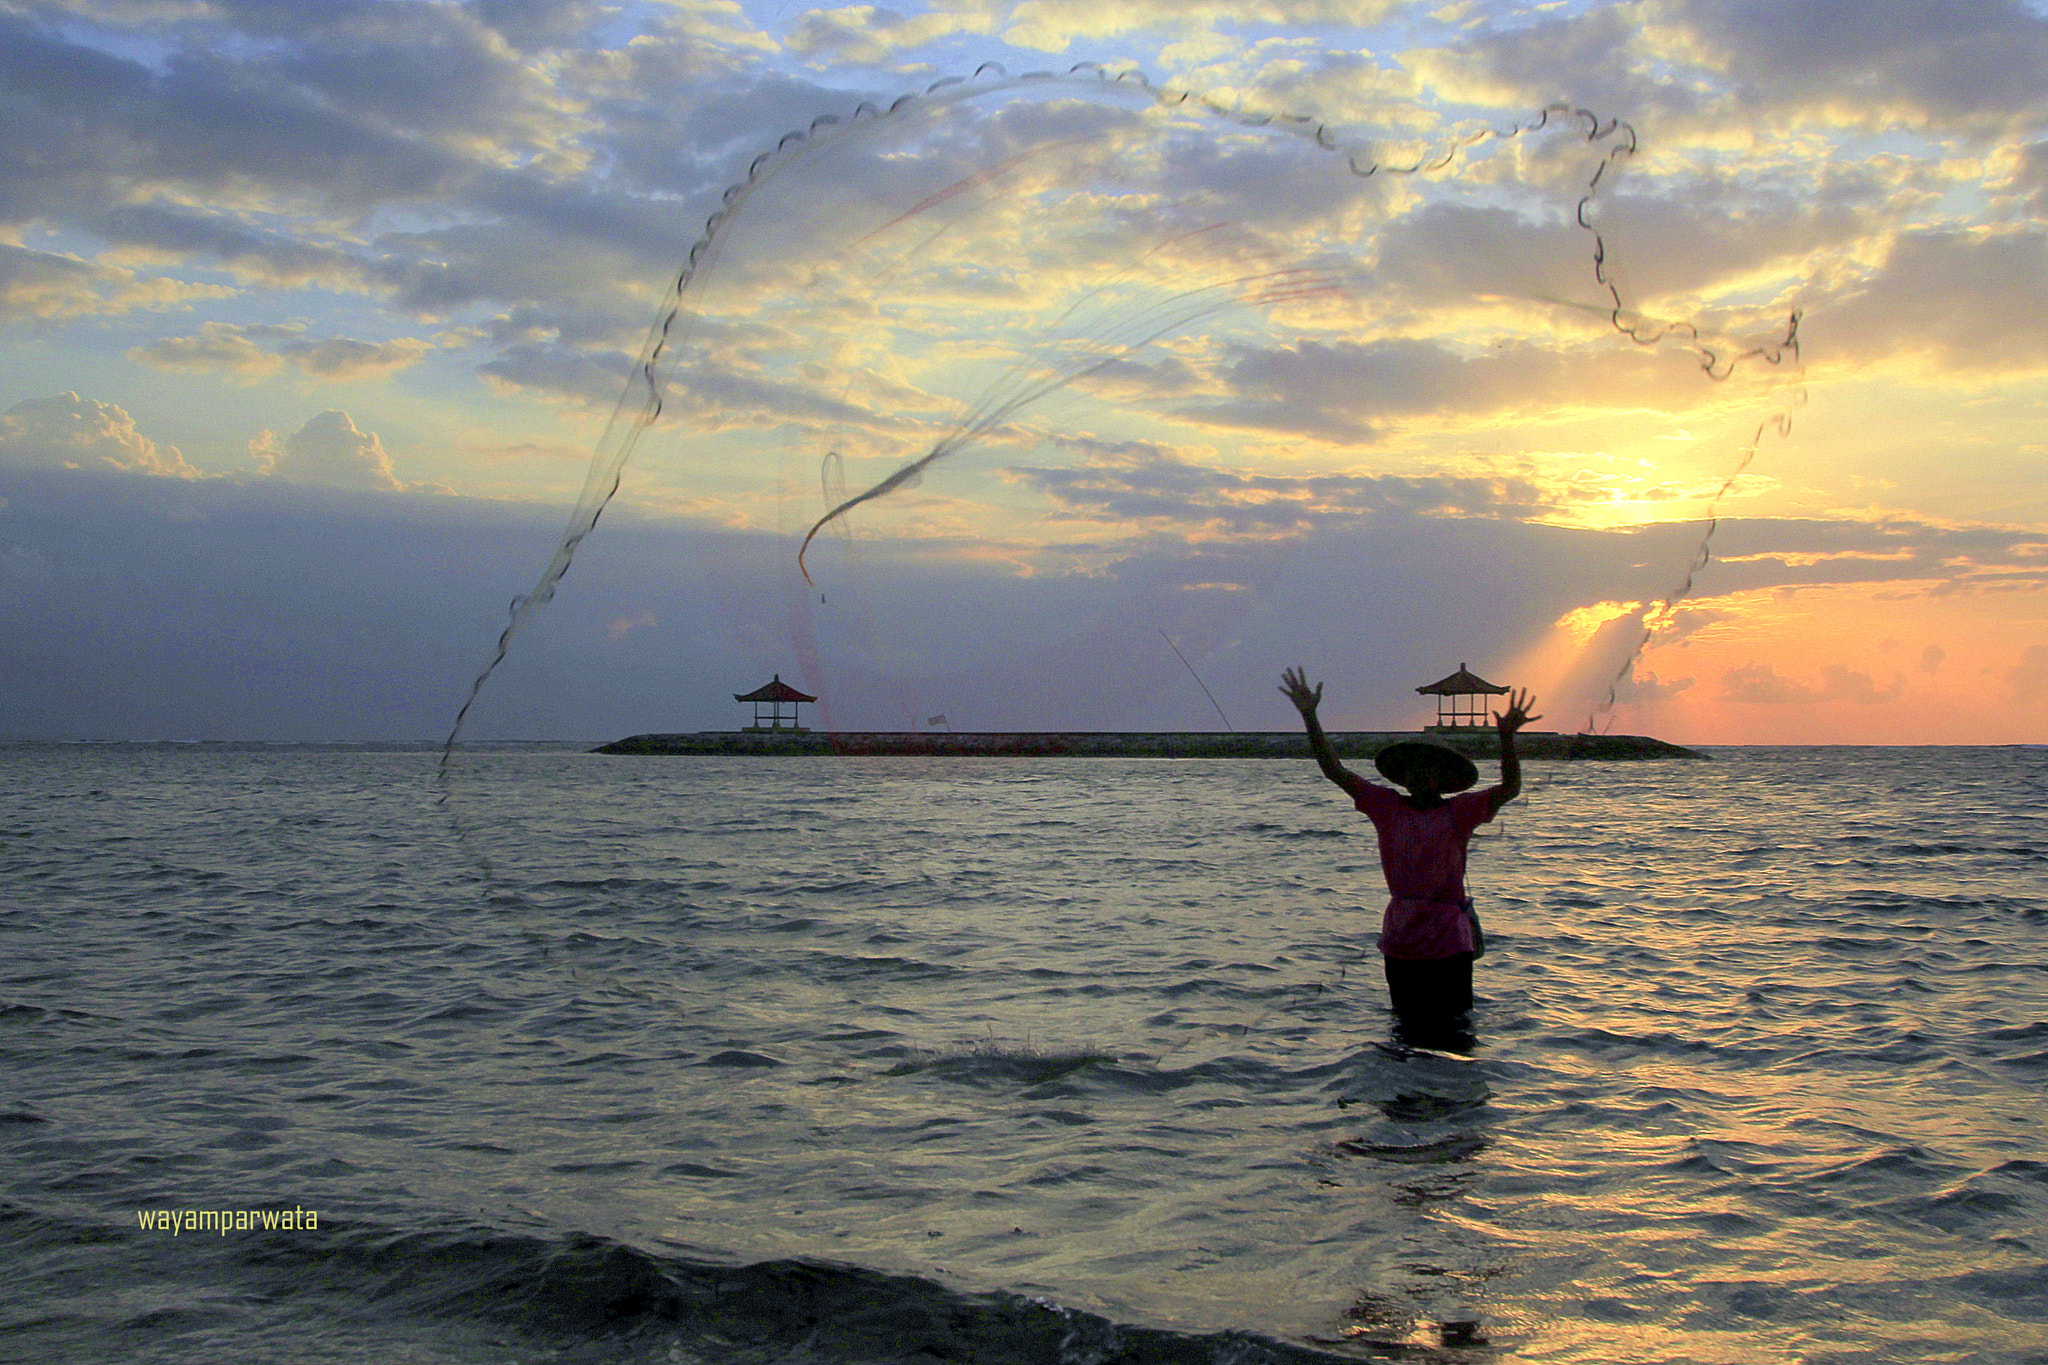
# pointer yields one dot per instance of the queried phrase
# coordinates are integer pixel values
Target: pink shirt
(1422, 853)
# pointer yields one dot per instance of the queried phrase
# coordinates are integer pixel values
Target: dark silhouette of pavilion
(1461, 700)
(776, 695)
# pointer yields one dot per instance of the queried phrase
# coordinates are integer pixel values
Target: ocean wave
(473, 1292)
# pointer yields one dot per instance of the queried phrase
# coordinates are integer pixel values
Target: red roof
(1461, 683)
(779, 690)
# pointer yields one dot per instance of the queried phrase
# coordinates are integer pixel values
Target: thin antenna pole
(1198, 680)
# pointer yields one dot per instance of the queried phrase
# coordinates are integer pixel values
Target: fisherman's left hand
(1295, 687)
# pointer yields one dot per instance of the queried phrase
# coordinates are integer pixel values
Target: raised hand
(1517, 715)
(1294, 686)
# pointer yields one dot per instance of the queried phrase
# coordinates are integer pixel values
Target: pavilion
(1461, 700)
(775, 695)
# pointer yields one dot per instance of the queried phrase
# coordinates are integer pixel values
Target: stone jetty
(1358, 744)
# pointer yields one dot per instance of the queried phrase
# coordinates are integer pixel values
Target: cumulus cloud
(327, 451)
(66, 431)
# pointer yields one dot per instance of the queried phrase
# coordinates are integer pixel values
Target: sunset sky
(316, 313)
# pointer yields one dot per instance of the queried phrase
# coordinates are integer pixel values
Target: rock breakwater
(1359, 744)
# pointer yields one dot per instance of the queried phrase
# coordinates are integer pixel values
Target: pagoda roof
(1462, 683)
(778, 690)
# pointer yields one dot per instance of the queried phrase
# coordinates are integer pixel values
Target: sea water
(1078, 1061)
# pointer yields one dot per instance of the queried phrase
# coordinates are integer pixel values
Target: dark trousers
(1430, 992)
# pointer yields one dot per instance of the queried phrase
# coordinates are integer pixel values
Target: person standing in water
(1429, 934)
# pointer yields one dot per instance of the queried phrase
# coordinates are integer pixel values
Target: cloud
(535, 25)
(348, 358)
(1056, 25)
(49, 286)
(530, 173)
(1448, 254)
(253, 352)
(66, 431)
(874, 33)
(594, 378)
(677, 107)
(1872, 63)
(1162, 488)
(881, 33)
(619, 627)
(296, 137)
(437, 70)
(2033, 175)
(45, 285)
(557, 248)
(1984, 61)
(1689, 621)
(208, 122)
(1159, 487)
(225, 608)
(2028, 678)
(1755, 552)
(1360, 393)
(1841, 683)
(328, 451)
(24, 566)
(1759, 684)
(1973, 299)
(1647, 687)
(273, 609)
(219, 346)
(174, 233)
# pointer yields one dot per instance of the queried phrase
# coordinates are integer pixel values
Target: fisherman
(1430, 933)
